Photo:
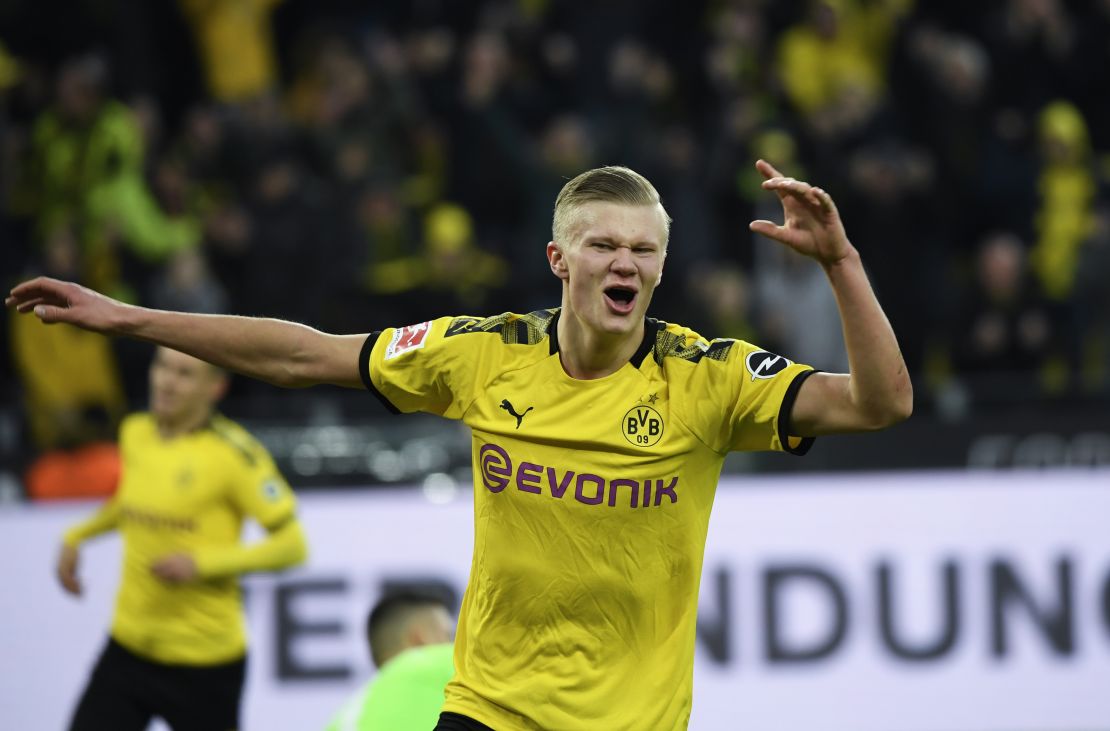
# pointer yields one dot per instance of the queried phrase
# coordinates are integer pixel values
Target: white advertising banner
(889, 602)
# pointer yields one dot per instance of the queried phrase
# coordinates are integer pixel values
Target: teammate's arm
(104, 520)
(257, 490)
(278, 352)
(282, 548)
(877, 392)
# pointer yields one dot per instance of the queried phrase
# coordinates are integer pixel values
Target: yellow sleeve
(743, 402)
(769, 385)
(258, 490)
(423, 367)
(104, 520)
(285, 546)
(261, 492)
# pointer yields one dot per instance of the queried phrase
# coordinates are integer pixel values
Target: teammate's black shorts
(455, 722)
(126, 691)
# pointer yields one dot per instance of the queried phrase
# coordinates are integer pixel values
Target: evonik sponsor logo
(498, 472)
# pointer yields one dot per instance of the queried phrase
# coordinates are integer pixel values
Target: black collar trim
(553, 332)
(651, 330)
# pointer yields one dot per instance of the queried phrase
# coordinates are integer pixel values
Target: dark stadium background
(395, 161)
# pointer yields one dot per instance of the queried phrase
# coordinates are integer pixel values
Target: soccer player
(598, 439)
(410, 643)
(177, 647)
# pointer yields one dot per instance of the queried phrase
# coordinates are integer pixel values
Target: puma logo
(509, 407)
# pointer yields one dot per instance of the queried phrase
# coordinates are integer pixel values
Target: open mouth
(620, 299)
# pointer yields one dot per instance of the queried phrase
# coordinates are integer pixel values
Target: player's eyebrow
(609, 239)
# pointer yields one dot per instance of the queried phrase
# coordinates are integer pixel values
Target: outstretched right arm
(278, 352)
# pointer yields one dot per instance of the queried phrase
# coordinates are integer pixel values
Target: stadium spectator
(1064, 221)
(1006, 339)
(88, 161)
(236, 44)
(70, 379)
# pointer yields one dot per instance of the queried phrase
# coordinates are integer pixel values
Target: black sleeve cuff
(364, 371)
(786, 409)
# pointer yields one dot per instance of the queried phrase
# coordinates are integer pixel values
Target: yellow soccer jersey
(186, 494)
(591, 504)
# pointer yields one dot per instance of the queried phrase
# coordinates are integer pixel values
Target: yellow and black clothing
(591, 506)
(236, 45)
(125, 691)
(73, 160)
(190, 494)
(66, 373)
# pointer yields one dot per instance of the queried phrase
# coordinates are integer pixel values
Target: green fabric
(126, 204)
(95, 175)
(406, 695)
(70, 161)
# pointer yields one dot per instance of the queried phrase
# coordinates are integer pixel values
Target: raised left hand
(812, 225)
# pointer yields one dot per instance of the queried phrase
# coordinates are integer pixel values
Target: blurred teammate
(177, 647)
(599, 436)
(410, 643)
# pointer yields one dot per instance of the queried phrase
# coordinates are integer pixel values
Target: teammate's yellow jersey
(190, 494)
(591, 503)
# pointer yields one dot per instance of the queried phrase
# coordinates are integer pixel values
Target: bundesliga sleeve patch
(410, 337)
(271, 490)
(762, 364)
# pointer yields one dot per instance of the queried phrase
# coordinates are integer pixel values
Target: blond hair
(610, 184)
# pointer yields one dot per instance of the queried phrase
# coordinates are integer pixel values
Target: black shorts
(126, 691)
(455, 722)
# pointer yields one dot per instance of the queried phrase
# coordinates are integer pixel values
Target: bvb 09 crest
(642, 426)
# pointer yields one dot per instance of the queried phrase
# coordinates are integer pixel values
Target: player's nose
(623, 261)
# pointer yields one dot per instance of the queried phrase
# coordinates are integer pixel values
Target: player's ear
(557, 260)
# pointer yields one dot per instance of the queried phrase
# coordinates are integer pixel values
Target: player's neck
(587, 354)
(171, 428)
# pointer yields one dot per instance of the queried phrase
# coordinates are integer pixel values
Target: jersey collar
(651, 330)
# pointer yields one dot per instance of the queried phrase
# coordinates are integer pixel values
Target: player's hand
(67, 570)
(812, 224)
(176, 568)
(53, 300)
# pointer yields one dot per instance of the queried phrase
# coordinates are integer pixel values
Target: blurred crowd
(358, 165)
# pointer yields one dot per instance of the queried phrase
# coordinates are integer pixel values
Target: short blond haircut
(610, 184)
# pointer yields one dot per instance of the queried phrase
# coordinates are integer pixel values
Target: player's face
(612, 264)
(183, 389)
